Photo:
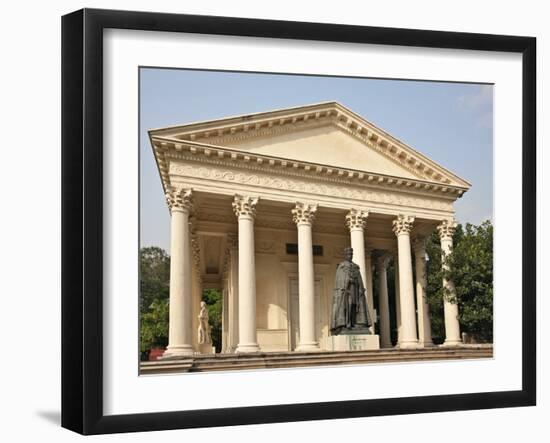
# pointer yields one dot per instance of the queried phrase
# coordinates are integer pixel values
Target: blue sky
(451, 123)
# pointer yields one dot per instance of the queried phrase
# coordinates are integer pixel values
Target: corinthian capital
(245, 205)
(403, 224)
(180, 199)
(356, 219)
(447, 228)
(304, 213)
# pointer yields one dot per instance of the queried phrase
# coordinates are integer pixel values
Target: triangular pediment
(326, 133)
(327, 145)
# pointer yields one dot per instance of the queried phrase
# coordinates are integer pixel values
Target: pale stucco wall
(326, 145)
(274, 268)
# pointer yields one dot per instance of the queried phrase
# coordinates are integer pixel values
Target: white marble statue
(204, 327)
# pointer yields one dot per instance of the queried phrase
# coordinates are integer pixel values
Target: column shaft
(398, 324)
(369, 286)
(196, 287)
(358, 245)
(450, 307)
(356, 221)
(233, 296)
(180, 335)
(225, 318)
(306, 288)
(402, 227)
(423, 310)
(244, 207)
(303, 215)
(383, 302)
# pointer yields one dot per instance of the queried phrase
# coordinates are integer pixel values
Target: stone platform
(353, 342)
(263, 360)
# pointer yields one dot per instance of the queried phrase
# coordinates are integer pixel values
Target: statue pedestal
(353, 342)
(206, 348)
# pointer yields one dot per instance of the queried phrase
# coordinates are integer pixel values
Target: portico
(262, 207)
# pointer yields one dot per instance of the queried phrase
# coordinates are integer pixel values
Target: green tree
(154, 325)
(471, 265)
(213, 299)
(471, 270)
(154, 269)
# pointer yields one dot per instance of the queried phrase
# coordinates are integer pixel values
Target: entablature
(172, 157)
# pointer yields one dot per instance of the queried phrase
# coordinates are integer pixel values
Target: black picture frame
(82, 218)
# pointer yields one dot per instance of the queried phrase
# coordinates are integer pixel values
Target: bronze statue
(349, 303)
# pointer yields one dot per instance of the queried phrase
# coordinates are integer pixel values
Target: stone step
(263, 360)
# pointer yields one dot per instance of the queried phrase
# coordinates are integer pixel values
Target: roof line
(241, 116)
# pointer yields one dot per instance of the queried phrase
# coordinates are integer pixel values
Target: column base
(426, 344)
(308, 347)
(177, 351)
(248, 347)
(408, 345)
(386, 345)
(452, 343)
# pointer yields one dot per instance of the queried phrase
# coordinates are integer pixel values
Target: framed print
(273, 221)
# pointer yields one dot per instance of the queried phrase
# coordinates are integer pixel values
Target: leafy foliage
(154, 325)
(154, 268)
(471, 270)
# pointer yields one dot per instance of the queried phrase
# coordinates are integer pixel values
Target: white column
(423, 310)
(369, 286)
(356, 221)
(383, 302)
(196, 285)
(402, 226)
(245, 210)
(398, 324)
(225, 319)
(233, 286)
(180, 335)
(303, 215)
(450, 308)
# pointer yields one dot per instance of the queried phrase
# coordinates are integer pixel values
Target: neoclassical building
(262, 207)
